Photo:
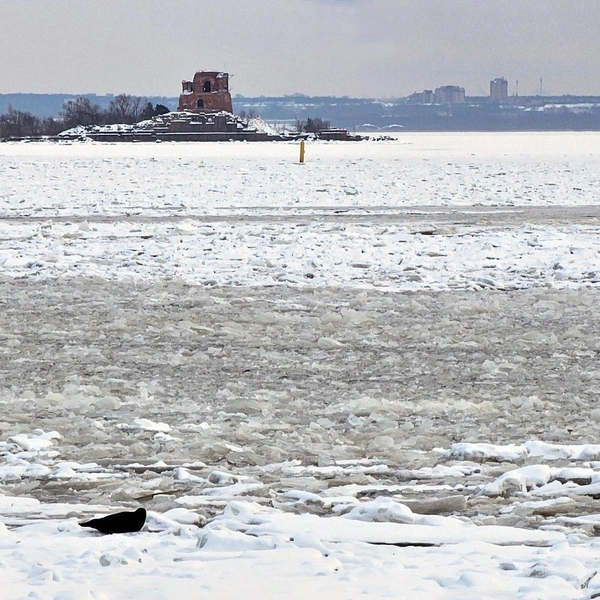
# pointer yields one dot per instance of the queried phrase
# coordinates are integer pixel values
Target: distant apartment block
(424, 97)
(449, 94)
(499, 90)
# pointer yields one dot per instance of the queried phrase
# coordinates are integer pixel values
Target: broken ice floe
(482, 452)
(400, 528)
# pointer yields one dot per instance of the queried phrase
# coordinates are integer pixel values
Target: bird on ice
(121, 522)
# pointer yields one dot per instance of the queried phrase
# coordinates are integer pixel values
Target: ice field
(374, 375)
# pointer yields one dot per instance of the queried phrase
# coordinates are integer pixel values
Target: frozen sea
(374, 375)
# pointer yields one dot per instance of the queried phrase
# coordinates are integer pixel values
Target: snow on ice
(375, 374)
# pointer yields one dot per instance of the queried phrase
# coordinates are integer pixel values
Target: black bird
(121, 522)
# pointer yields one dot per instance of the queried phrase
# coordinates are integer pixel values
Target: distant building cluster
(454, 94)
(447, 94)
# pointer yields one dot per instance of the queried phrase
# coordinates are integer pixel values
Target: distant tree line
(17, 123)
(312, 125)
(80, 111)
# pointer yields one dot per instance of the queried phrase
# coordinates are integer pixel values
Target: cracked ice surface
(339, 394)
(414, 170)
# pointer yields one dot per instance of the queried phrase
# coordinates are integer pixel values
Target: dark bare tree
(316, 125)
(51, 126)
(126, 109)
(81, 112)
(16, 123)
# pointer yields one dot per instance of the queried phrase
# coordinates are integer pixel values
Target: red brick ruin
(208, 92)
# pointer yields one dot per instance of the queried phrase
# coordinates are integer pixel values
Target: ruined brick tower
(207, 92)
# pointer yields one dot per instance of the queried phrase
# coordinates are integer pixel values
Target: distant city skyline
(359, 48)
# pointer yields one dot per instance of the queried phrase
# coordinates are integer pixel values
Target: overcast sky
(368, 48)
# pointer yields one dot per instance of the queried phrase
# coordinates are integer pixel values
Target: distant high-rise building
(449, 94)
(498, 90)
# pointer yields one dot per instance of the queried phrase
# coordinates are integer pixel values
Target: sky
(361, 48)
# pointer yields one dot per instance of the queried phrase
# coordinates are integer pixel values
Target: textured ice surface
(494, 250)
(169, 390)
(414, 170)
(294, 367)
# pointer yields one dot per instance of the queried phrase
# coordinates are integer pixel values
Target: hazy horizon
(357, 48)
